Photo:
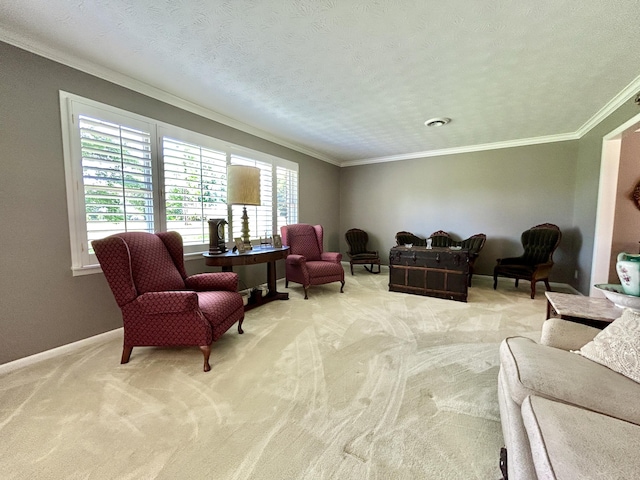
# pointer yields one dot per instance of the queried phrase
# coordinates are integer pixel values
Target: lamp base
(245, 229)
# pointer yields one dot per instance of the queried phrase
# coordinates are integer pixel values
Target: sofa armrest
(565, 334)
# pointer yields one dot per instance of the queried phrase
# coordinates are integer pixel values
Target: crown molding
(563, 137)
(615, 103)
(122, 80)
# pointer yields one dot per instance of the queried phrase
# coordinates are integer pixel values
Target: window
(195, 188)
(125, 172)
(286, 197)
(117, 177)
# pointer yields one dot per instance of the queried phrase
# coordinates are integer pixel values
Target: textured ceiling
(354, 80)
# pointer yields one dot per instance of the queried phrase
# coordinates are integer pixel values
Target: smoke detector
(437, 122)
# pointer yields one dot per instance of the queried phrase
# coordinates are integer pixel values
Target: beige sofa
(565, 416)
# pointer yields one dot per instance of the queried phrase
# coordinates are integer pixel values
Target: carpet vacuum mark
(369, 384)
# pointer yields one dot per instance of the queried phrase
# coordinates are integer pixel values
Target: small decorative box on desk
(435, 272)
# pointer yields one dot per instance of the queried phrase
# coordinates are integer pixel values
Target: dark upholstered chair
(474, 244)
(440, 239)
(402, 238)
(307, 263)
(535, 263)
(161, 305)
(358, 253)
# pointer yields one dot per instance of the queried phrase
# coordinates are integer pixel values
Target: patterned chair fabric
(358, 252)
(161, 305)
(535, 263)
(307, 263)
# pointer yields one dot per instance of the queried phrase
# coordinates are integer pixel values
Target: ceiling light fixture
(437, 122)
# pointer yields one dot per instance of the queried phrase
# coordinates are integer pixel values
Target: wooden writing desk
(259, 254)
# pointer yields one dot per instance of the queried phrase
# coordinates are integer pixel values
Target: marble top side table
(592, 311)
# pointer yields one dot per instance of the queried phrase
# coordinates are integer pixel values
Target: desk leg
(272, 290)
(272, 294)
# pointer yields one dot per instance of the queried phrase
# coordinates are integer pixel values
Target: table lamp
(243, 188)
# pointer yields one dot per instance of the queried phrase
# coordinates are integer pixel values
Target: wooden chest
(435, 272)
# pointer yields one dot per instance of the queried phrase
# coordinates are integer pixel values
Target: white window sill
(91, 269)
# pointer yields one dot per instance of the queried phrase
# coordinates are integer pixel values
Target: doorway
(606, 208)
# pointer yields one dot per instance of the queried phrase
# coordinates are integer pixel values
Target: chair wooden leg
(306, 292)
(286, 283)
(495, 282)
(533, 289)
(126, 354)
(517, 280)
(351, 265)
(342, 288)
(206, 351)
(546, 284)
(370, 268)
(240, 326)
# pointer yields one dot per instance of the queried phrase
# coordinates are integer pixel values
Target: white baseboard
(540, 288)
(55, 352)
(567, 286)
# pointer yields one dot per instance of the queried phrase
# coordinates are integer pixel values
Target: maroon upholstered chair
(161, 305)
(307, 263)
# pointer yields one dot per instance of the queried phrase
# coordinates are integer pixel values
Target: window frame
(72, 105)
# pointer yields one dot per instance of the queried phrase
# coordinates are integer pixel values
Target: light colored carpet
(368, 384)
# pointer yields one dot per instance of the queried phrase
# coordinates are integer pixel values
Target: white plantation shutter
(116, 177)
(195, 188)
(286, 197)
(127, 172)
(260, 217)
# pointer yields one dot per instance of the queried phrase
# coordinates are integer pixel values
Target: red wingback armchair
(161, 305)
(307, 263)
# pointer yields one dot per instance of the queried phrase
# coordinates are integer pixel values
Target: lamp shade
(243, 185)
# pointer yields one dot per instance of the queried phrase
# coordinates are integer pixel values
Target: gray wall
(500, 193)
(42, 305)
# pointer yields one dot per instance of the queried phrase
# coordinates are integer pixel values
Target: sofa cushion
(568, 442)
(618, 346)
(534, 369)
